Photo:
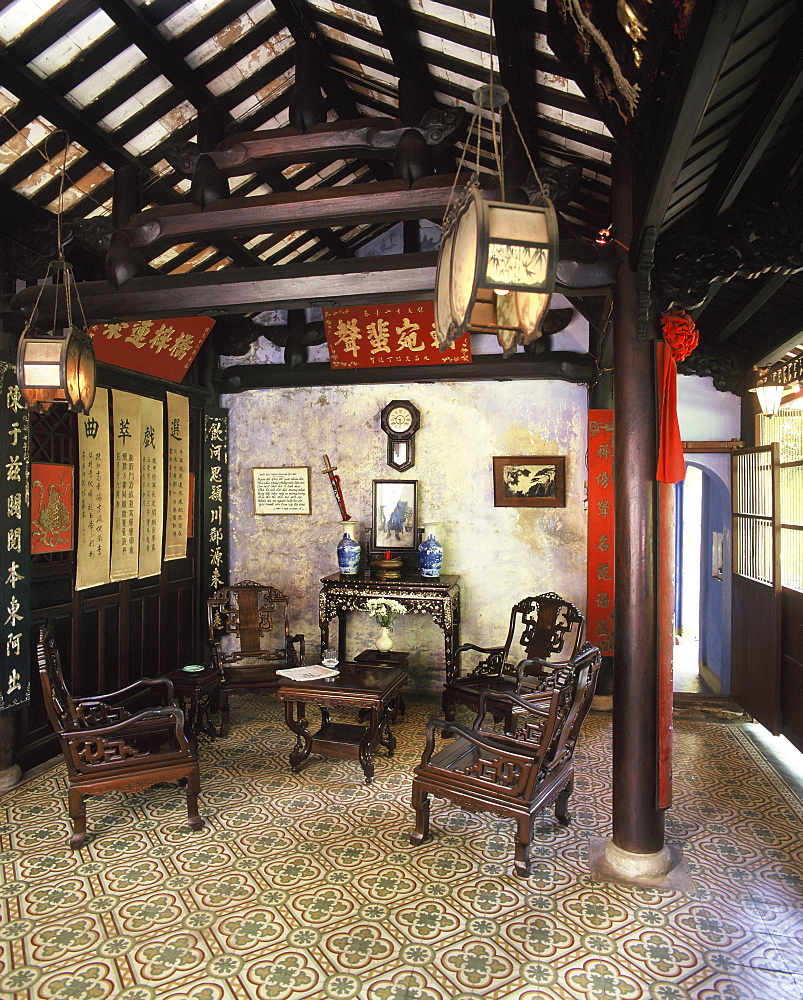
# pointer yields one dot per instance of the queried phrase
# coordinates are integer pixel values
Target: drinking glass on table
(329, 658)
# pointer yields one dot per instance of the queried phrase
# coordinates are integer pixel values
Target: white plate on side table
(194, 668)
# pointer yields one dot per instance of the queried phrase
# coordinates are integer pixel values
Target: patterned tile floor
(305, 885)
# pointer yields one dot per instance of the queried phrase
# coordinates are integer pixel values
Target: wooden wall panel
(107, 636)
(792, 666)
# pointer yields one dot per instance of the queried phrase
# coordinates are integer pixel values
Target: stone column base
(638, 865)
(10, 777)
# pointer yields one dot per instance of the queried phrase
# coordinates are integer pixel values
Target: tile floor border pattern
(305, 885)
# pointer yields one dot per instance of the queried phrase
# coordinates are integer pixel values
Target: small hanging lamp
(56, 364)
(498, 259)
(770, 393)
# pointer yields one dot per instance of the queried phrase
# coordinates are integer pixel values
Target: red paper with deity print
(392, 334)
(51, 508)
(164, 348)
(600, 611)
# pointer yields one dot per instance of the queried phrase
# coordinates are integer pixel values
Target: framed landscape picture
(529, 481)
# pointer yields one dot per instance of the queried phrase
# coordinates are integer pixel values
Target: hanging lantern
(496, 269)
(769, 397)
(57, 366)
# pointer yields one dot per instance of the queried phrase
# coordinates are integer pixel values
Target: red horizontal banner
(393, 334)
(164, 348)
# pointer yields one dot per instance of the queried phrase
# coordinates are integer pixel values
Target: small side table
(392, 658)
(197, 694)
(361, 686)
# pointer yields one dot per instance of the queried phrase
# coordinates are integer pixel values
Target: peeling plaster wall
(500, 553)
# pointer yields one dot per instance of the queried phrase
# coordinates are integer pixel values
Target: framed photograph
(530, 481)
(395, 515)
(281, 491)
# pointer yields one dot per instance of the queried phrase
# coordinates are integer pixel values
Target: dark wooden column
(638, 824)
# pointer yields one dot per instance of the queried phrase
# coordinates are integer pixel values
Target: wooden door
(756, 607)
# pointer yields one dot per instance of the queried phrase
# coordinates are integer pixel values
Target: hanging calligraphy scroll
(376, 336)
(51, 508)
(164, 348)
(214, 500)
(178, 475)
(151, 466)
(600, 610)
(94, 499)
(15, 528)
(126, 436)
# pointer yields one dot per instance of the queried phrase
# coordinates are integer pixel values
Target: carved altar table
(437, 597)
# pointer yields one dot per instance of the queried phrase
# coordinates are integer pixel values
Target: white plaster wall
(705, 413)
(500, 553)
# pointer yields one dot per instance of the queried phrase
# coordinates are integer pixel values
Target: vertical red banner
(600, 610)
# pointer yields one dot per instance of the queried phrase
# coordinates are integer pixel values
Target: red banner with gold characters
(51, 508)
(392, 334)
(600, 611)
(162, 347)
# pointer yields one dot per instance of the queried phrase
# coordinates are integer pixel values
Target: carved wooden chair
(517, 774)
(249, 634)
(106, 747)
(544, 636)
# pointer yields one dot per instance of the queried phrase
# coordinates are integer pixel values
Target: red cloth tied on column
(680, 339)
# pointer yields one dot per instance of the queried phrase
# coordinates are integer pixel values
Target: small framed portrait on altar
(530, 481)
(395, 512)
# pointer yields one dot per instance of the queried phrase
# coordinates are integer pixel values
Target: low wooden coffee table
(372, 690)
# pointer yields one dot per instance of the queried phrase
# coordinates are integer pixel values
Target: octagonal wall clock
(400, 420)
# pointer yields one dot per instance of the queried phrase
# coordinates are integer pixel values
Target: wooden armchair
(249, 634)
(544, 636)
(514, 775)
(106, 747)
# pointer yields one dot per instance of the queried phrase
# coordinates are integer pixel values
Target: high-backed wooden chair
(106, 747)
(514, 775)
(249, 633)
(544, 636)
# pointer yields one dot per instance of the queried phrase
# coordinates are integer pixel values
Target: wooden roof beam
(713, 29)
(399, 278)
(763, 293)
(760, 123)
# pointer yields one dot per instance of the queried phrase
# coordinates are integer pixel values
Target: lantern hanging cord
(494, 139)
(463, 155)
(496, 144)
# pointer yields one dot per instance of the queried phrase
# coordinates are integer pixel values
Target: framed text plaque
(281, 491)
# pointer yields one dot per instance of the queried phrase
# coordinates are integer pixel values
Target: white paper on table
(312, 672)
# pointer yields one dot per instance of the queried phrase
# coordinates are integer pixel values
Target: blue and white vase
(430, 552)
(348, 550)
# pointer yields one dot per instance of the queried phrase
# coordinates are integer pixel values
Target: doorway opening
(701, 660)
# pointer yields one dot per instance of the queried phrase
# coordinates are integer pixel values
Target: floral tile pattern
(305, 887)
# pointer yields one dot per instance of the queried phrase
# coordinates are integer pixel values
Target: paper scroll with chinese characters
(178, 475)
(15, 528)
(151, 466)
(94, 502)
(599, 615)
(125, 505)
(374, 336)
